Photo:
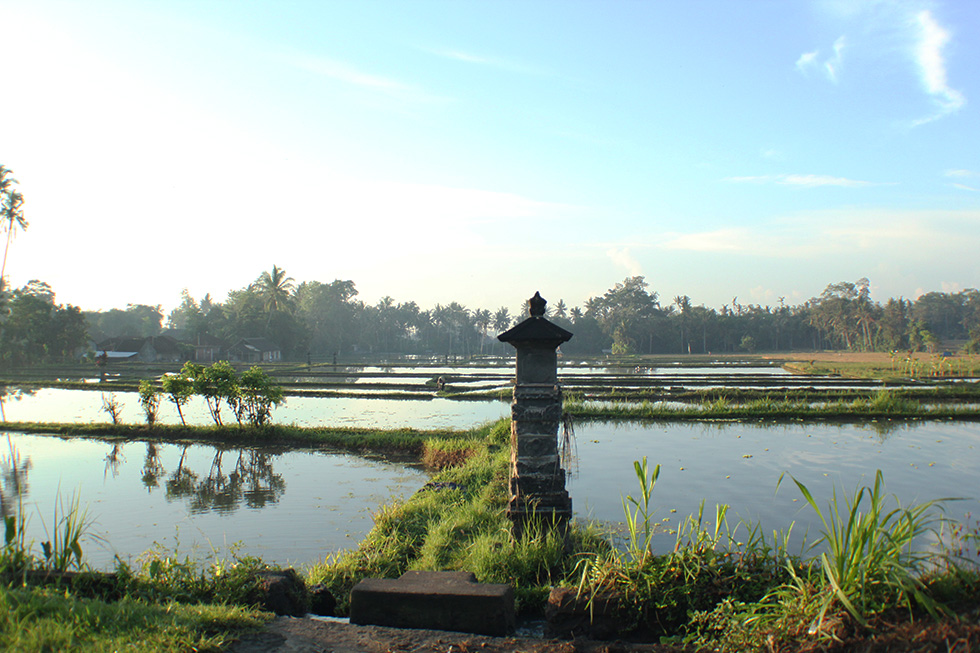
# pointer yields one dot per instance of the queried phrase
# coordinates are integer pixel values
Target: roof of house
(196, 339)
(256, 344)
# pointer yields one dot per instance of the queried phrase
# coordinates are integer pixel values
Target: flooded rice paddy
(740, 465)
(297, 506)
(286, 506)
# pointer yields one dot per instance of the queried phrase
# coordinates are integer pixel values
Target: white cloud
(482, 60)
(831, 66)
(806, 181)
(623, 258)
(344, 72)
(967, 175)
(931, 39)
(963, 174)
(352, 76)
(841, 232)
(806, 61)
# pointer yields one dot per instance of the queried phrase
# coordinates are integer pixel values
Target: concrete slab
(434, 600)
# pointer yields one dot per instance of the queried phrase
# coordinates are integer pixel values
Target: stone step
(434, 600)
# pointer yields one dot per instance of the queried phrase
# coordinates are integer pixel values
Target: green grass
(40, 619)
(881, 404)
(898, 366)
(408, 442)
(723, 587)
(461, 525)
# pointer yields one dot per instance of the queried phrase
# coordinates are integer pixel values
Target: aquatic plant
(871, 561)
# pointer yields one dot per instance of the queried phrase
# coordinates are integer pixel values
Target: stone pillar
(537, 481)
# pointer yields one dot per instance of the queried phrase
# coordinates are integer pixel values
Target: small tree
(179, 389)
(112, 406)
(149, 401)
(216, 384)
(257, 394)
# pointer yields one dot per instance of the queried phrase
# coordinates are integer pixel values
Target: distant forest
(320, 320)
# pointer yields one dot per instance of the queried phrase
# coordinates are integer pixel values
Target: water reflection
(13, 480)
(83, 406)
(291, 506)
(250, 479)
(740, 464)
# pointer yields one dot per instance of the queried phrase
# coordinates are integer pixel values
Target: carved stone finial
(537, 304)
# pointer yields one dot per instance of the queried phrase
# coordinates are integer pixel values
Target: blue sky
(479, 151)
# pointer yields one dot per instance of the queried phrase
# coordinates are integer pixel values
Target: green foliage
(71, 523)
(39, 619)
(250, 396)
(179, 388)
(149, 398)
(870, 563)
(61, 551)
(639, 513)
(165, 575)
(254, 397)
(34, 329)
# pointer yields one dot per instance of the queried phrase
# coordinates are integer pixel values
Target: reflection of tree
(251, 479)
(152, 467)
(7, 392)
(113, 459)
(881, 429)
(182, 482)
(13, 473)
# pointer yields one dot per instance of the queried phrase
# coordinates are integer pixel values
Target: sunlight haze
(478, 152)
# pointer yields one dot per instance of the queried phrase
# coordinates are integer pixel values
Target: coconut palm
(11, 211)
(275, 289)
(482, 318)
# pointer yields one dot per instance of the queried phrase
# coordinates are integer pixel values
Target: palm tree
(11, 211)
(482, 318)
(274, 288)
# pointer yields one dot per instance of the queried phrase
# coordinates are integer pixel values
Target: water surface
(289, 507)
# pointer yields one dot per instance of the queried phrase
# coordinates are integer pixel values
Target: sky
(481, 151)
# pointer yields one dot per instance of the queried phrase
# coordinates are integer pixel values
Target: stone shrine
(537, 480)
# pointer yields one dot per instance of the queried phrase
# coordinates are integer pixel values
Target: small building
(205, 347)
(255, 350)
(155, 349)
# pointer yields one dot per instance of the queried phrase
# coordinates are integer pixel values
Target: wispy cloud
(928, 52)
(967, 175)
(344, 72)
(830, 66)
(354, 77)
(806, 181)
(838, 232)
(483, 60)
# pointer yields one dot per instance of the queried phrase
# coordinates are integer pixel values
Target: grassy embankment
(725, 587)
(711, 590)
(881, 365)
(167, 602)
(880, 404)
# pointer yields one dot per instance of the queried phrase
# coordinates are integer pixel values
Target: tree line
(318, 320)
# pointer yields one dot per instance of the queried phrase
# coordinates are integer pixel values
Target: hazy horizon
(479, 152)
